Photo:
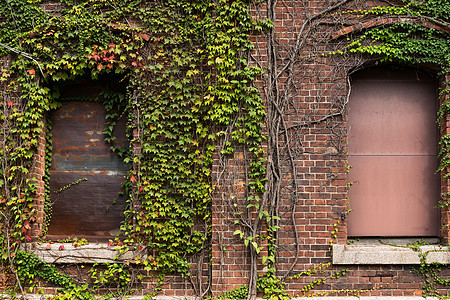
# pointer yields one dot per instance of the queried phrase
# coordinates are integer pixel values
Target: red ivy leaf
(61, 248)
(31, 71)
(27, 225)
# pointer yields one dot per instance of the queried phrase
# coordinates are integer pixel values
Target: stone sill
(90, 253)
(376, 253)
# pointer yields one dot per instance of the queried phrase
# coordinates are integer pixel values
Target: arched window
(393, 140)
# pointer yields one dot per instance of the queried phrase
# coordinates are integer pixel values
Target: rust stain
(91, 208)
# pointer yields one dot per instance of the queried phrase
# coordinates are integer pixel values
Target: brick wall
(313, 200)
(445, 183)
(315, 114)
(38, 173)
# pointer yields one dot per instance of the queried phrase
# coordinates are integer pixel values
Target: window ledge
(380, 254)
(92, 253)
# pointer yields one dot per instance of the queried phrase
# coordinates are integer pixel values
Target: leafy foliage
(187, 73)
(189, 85)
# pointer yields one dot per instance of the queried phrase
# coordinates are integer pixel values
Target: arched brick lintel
(383, 21)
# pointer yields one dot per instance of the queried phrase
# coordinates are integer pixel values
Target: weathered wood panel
(92, 208)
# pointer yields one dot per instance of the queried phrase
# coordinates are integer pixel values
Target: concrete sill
(91, 253)
(380, 254)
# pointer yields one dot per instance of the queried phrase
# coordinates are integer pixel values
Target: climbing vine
(188, 79)
(191, 100)
(346, 36)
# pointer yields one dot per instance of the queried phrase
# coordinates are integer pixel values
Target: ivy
(412, 43)
(29, 266)
(189, 86)
(187, 72)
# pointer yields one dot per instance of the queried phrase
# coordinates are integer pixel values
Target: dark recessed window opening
(85, 175)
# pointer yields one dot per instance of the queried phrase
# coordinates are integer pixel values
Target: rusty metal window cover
(91, 208)
(393, 141)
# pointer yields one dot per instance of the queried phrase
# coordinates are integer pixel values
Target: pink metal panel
(392, 116)
(392, 152)
(391, 196)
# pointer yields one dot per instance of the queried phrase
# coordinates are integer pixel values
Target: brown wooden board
(89, 208)
(80, 151)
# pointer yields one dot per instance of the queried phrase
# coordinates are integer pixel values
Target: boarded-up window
(393, 154)
(91, 208)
